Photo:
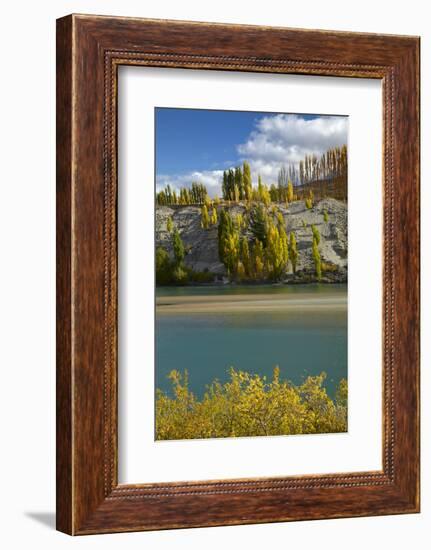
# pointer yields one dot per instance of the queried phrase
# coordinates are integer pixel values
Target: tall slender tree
(293, 251)
(178, 246)
(247, 180)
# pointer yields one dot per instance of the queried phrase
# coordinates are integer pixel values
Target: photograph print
(251, 257)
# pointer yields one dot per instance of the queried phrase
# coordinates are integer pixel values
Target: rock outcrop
(202, 244)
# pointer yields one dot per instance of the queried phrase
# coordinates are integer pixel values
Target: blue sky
(196, 144)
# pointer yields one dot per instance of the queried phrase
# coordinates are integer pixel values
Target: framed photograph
(237, 274)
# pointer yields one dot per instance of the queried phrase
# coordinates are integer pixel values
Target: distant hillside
(202, 250)
(324, 188)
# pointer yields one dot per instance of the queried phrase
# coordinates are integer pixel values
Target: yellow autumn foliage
(250, 405)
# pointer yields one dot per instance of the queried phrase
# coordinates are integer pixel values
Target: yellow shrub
(250, 405)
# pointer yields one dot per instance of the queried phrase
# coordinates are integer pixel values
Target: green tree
(259, 223)
(228, 242)
(169, 224)
(231, 252)
(293, 251)
(240, 271)
(316, 234)
(239, 220)
(290, 191)
(244, 253)
(247, 180)
(213, 218)
(239, 183)
(205, 219)
(309, 201)
(168, 196)
(179, 275)
(179, 251)
(163, 267)
(276, 251)
(273, 193)
(290, 194)
(317, 260)
(282, 180)
(325, 216)
(280, 219)
(258, 260)
(263, 192)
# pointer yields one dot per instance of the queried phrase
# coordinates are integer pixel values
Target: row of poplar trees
(237, 183)
(196, 194)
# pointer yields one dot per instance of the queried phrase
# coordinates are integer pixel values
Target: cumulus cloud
(211, 178)
(276, 140)
(286, 139)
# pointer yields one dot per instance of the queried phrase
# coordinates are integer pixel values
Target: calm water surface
(301, 328)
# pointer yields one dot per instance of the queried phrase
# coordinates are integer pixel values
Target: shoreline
(326, 281)
(248, 303)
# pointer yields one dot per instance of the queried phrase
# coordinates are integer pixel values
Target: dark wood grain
(90, 49)
(64, 496)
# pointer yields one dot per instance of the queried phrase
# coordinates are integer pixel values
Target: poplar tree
(276, 251)
(205, 219)
(225, 185)
(239, 183)
(236, 194)
(273, 193)
(228, 242)
(258, 259)
(231, 184)
(282, 183)
(247, 180)
(214, 216)
(163, 267)
(317, 260)
(259, 223)
(178, 246)
(245, 256)
(231, 252)
(316, 234)
(240, 271)
(290, 191)
(239, 220)
(169, 225)
(280, 219)
(293, 251)
(263, 192)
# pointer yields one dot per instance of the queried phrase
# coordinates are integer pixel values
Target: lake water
(300, 328)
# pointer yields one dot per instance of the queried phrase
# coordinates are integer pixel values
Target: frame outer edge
(407, 268)
(64, 367)
(81, 506)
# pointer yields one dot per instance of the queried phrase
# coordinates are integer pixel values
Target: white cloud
(282, 139)
(211, 178)
(276, 140)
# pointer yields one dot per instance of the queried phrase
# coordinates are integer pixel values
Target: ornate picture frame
(89, 51)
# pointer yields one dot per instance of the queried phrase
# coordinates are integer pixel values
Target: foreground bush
(250, 405)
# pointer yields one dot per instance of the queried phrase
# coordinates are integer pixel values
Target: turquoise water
(301, 328)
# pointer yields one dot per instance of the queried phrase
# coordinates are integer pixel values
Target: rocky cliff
(202, 244)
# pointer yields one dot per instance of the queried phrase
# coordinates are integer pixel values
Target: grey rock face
(202, 244)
